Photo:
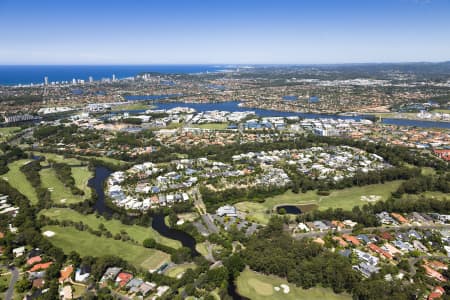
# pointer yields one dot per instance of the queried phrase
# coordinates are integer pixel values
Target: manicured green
(138, 233)
(60, 194)
(132, 106)
(107, 159)
(260, 287)
(7, 132)
(58, 158)
(201, 248)
(17, 180)
(345, 199)
(82, 176)
(177, 270)
(69, 239)
(213, 126)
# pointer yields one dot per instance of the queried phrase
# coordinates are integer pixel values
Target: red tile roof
(38, 267)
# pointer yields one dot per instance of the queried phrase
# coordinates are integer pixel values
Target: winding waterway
(158, 223)
(233, 106)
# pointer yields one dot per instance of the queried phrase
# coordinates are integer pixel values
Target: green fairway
(213, 126)
(106, 159)
(260, 287)
(201, 248)
(138, 233)
(59, 193)
(7, 132)
(345, 199)
(69, 239)
(132, 106)
(82, 176)
(177, 270)
(58, 158)
(17, 180)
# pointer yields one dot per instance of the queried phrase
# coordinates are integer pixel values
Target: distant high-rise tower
(74, 81)
(114, 77)
(91, 79)
(45, 80)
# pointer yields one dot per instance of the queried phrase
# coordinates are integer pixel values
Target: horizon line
(226, 63)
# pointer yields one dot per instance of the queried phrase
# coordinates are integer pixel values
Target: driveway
(14, 276)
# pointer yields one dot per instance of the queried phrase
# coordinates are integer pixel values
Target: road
(10, 291)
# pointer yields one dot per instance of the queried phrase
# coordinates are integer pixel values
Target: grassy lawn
(444, 111)
(136, 232)
(174, 126)
(82, 176)
(345, 199)
(108, 160)
(7, 132)
(17, 180)
(213, 126)
(201, 248)
(132, 106)
(58, 158)
(59, 193)
(259, 287)
(68, 238)
(78, 291)
(179, 269)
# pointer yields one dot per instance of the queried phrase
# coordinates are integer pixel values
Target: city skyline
(231, 32)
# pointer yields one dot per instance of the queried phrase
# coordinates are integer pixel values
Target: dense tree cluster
(64, 173)
(307, 264)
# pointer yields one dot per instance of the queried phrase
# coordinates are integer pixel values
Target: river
(158, 223)
(233, 106)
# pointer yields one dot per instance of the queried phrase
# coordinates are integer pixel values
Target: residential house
(65, 274)
(123, 278)
(351, 239)
(82, 274)
(434, 274)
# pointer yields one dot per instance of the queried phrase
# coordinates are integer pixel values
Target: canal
(97, 183)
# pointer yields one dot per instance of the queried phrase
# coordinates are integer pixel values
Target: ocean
(18, 74)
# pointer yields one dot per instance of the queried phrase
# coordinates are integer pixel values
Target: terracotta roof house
(351, 239)
(38, 267)
(386, 236)
(123, 278)
(399, 218)
(65, 274)
(434, 274)
(38, 283)
(33, 260)
(437, 293)
(380, 251)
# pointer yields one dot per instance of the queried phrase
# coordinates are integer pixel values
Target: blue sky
(228, 31)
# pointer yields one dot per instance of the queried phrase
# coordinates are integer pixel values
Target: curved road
(14, 276)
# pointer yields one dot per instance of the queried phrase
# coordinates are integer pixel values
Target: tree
(149, 243)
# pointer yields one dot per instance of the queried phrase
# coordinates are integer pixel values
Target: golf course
(137, 233)
(69, 239)
(257, 286)
(345, 199)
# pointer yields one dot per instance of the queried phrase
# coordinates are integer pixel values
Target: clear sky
(226, 31)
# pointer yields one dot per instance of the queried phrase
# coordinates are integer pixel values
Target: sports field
(17, 180)
(69, 239)
(261, 287)
(138, 233)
